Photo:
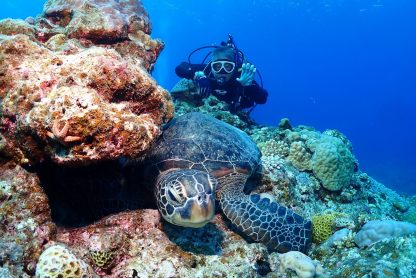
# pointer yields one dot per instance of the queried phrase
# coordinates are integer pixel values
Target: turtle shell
(201, 142)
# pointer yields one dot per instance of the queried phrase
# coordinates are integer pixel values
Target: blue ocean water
(331, 64)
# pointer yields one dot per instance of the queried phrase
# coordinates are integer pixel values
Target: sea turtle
(198, 160)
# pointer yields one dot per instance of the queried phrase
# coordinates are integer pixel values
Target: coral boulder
(66, 98)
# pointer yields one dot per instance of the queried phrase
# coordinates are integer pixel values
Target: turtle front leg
(260, 217)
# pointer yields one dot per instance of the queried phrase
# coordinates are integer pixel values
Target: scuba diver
(228, 76)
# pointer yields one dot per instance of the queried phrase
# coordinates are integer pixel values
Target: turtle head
(186, 197)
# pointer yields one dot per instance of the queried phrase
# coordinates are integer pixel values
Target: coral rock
(97, 20)
(26, 223)
(74, 102)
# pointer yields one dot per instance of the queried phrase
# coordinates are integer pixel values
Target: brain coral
(59, 262)
(332, 163)
(299, 156)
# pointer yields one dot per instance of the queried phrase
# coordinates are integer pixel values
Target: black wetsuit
(232, 92)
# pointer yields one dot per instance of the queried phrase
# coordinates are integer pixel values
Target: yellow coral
(102, 259)
(323, 225)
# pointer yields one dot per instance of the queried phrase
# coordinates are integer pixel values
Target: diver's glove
(247, 74)
(203, 83)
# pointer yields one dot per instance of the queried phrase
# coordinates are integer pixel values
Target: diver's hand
(204, 87)
(247, 74)
(203, 83)
(198, 75)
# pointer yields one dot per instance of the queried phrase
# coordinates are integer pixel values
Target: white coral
(272, 164)
(298, 262)
(376, 230)
(275, 148)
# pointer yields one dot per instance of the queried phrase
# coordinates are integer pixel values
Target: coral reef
(75, 88)
(186, 100)
(328, 154)
(316, 174)
(392, 257)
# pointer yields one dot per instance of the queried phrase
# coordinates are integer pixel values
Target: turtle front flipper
(260, 217)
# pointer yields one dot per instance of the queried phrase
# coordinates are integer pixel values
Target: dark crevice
(263, 267)
(61, 18)
(100, 39)
(79, 196)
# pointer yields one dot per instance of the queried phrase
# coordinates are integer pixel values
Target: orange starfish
(61, 135)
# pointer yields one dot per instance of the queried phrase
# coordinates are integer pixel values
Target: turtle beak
(201, 211)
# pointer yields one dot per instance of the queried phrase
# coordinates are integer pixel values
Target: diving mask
(218, 66)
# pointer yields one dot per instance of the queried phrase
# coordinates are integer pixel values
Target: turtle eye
(176, 193)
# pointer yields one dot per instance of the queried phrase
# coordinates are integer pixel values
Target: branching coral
(274, 148)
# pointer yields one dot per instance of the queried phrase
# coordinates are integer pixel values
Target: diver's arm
(256, 93)
(186, 70)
